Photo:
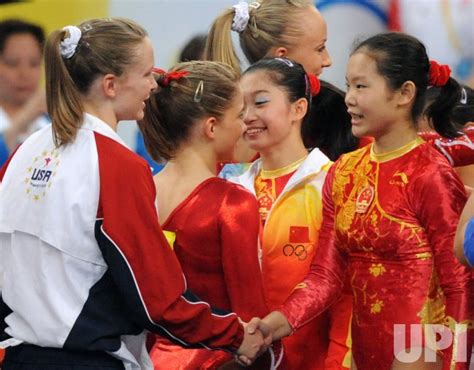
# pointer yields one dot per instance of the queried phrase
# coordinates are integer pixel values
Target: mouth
(355, 118)
(254, 131)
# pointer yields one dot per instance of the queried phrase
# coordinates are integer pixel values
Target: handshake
(259, 335)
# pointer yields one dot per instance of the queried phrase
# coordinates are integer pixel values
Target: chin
(139, 116)
(359, 132)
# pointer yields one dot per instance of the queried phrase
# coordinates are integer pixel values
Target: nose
(249, 115)
(154, 85)
(24, 71)
(349, 98)
(327, 62)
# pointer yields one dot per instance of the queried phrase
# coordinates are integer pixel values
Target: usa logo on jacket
(41, 173)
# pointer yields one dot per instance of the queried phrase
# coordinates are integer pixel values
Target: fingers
(253, 325)
(252, 346)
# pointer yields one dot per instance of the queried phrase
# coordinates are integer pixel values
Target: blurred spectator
(22, 101)
(193, 49)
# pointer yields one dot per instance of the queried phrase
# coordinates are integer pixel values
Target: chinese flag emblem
(299, 234)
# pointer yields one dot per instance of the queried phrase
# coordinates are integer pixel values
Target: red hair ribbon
(314, 84)
(439, 74)
(169, 76)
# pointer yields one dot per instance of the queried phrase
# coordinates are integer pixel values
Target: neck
(10, 108)
(193, 162)
(101, 111)
(400, 135)
(283, 154)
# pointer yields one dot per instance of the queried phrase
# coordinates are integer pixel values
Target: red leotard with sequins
(396, 242)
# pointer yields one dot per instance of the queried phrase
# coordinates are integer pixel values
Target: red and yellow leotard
(291, 207)
(390, 221)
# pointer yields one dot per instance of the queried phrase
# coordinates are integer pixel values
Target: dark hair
(11, 27)
(207, 90)
(463, 111)
(288, 74)
(194, 49)
(329, 127)
(400, 58)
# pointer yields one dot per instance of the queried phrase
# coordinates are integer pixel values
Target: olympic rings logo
(299, 251)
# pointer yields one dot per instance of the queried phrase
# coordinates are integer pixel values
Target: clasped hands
(259, 334)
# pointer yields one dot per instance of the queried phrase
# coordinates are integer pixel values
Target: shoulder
(351, 159)
(231, 196)
(229, 190)
(119, 165)
(428, 157)
(429, 168)
(116, 155)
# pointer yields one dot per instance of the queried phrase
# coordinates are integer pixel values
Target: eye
(11, 63)
(261, 101)
(360, 86)
(321, 49)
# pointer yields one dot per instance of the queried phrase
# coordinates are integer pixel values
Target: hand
(253, 345)
(254, 327)
(257, 324)
(32, 109)
(20, 122)
(275, 322)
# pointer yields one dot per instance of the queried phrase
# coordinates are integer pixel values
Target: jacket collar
(312, 165)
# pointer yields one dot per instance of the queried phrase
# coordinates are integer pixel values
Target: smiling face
(135, 85)
(309, 49)
(20, 68)
(270, 117)
(369, 100)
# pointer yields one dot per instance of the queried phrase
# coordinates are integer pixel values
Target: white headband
(241, 16)
(69, 44)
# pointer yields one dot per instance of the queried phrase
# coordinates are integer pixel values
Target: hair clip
(253, 27)
(463, 96)
(86, 27)
(255, 5)
(199, 91)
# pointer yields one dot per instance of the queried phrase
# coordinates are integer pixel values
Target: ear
(407, 93)
(279, 52)
(210, 127)
(109, 85)
(300, 107)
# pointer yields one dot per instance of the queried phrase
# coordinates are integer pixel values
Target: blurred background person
(22, 100)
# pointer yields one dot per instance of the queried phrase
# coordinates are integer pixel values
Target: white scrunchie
(241, 16)
(69, 44)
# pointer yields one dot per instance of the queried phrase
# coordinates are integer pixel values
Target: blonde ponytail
(271, 24)
(62, 98)
(219, 45)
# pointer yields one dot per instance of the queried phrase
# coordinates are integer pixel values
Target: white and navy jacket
(83, 261)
